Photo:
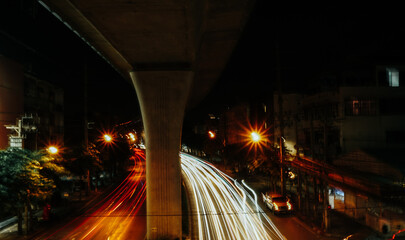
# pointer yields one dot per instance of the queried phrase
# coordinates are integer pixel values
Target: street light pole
(281, 167)
(108, 141)
(256, 138)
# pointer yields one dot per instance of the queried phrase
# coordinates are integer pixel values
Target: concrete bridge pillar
(162, 97)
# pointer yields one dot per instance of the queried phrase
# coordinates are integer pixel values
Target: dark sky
(32, 36)
(310, 39)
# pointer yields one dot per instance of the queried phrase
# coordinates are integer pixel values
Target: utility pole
(16, 140)
(281, 166)
(325, 189)
(225, 142)
(86, 130)
(20, 129)
(325, 206)
(280, 112)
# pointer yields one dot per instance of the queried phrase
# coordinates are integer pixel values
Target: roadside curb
(313, 230)
(58, 213)
(4, 224)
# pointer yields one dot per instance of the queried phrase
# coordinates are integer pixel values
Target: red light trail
(111, 217)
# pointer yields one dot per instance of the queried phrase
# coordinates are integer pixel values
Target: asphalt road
(117, 214)
(292, 228)
(121, 214)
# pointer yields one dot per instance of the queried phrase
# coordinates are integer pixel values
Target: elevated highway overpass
(173, 52)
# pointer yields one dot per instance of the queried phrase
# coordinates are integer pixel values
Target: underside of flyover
(173, 52)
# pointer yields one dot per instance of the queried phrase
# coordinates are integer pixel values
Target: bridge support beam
(162, 97)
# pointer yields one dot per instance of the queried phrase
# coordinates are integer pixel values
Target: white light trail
(255, 195)
(221, 206)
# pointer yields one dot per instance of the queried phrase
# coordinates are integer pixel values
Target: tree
(84, 162)
(26, 178)
(271, 167)
(91, 156)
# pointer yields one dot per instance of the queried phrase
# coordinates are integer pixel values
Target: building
(353, 129)
(45, 102)
(11, 96)
(38, 102)
(287, 124)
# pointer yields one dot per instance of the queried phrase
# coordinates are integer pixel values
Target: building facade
(11, 97)
(45, 102)
(357, 129)
(37, 103)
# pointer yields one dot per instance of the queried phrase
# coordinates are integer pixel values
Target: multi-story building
(21, 95)
(357, 128)
(44, 101)
(11, 96)
(346, 118)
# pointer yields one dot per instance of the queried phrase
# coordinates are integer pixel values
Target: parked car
(277, 203)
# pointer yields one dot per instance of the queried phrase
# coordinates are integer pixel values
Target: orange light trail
(116, 210)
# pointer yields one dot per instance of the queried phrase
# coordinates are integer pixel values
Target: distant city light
(291, 175)
(131, 136)
(211, 134)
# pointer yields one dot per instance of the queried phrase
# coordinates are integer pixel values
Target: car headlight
(289, 206)
(275, 206)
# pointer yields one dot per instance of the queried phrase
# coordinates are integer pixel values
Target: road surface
(119, 215)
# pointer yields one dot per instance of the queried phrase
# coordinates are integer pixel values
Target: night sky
(32, 36)
(310, 40)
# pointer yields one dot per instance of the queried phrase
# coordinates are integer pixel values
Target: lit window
(339, 195)
(360, 107)
(393, 77)
(356, 107)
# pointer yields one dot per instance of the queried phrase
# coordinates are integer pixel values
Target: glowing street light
(52, 150)
(255, 136)
(107, 138)
(211, 134)
(131, 136)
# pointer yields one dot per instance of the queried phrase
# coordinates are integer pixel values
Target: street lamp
(107, 141)
(255, 136)
(256, 139)
(282, 141)
(131, 136)
(52, 150)
(211, 134)
(107, 138)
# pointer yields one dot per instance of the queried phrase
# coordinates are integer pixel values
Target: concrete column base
(162, 97)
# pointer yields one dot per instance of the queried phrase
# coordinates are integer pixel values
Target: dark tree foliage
(83, 159)
(84, 162)
(26, 178)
